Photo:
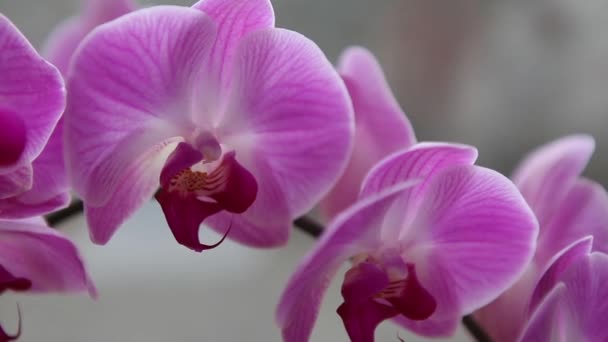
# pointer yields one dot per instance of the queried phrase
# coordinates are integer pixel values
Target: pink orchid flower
(35, 258)
(243, 125)
(432, 237)
(64, 40)
(32, 99)
(568, 207)
(381, 127)
(570, 302)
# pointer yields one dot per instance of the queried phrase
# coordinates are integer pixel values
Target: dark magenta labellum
(371, 296)
(189, 196)
(10, 282)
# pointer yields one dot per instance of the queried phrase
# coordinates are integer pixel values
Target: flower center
(196, 185)
(379, 289)
(200, 183)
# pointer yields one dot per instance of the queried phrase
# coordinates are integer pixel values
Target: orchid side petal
(130, 90)
(100, 11)
(546, 174)
(290, 123)
(43, 256)
(514, 302)
(421, 161)
(30, 88)
(381, 127)
(136, 186)
(473, 237)
(560, 263)
(14, 183)
(352, 232)
(582, 211)
(575, 309)
(549, 322)
(520, 301)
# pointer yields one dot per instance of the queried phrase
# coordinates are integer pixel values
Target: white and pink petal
(44, 257)
(381, 127)
(289, 121)
(575, 309)
(472, 238)
(546, 174)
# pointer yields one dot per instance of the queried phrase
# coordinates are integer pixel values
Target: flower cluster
(230, 122)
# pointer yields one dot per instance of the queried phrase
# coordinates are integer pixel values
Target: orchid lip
(8, 281)
(379, 289)
(191, 190)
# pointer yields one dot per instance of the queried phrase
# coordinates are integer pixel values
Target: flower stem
(76, 207)
(304, 223)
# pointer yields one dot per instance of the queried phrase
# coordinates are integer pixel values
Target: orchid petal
(14, 183)
(290, 123)
(137, 185)
(43, 256)
(514, 302)
(234, 20)
(421, 161)
(381, 127)
(30, 88)
(64, 40)
(350, 233)
(127, 103)
(523, 297)
(97, 12)
(575, 309)
(583, 211)
(549, 322)
(560, 263)
(478, 237)
(546, 174)
(49, 190)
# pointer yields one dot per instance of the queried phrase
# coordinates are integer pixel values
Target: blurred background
(504, 76)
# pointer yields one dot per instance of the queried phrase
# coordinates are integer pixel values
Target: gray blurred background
(505, 76)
